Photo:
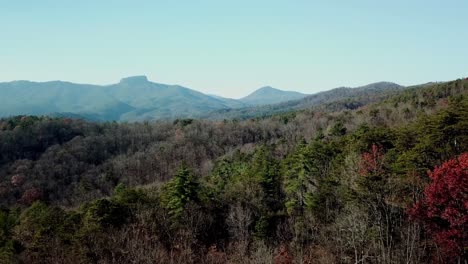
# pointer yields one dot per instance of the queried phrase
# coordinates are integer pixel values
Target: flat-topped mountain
(133, 98)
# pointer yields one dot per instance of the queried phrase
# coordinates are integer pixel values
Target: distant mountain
(136, 99)
(34, 98)
(335, 99)
(269, 95)
(160, 101)
(132, 99)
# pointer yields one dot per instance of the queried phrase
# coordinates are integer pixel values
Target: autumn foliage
(309, 186)
(283, 256)
(31, 195)
(444, 208)
(372, 161)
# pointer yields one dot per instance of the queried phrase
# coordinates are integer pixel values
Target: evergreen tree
(266, 171)
(182, 189)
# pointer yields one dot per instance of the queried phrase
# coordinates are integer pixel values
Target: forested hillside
(376, 179)
(342, 98)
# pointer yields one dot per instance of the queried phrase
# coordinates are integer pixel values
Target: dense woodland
(355, 181)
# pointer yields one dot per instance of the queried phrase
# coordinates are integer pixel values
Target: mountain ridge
(347, 97)
(135, 98)
(131, 99)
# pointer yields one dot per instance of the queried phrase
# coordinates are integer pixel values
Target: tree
(8, 219)
(182, 189)
(372, 162)
(42, 232)
(444, 208)
(306, 180)
(375, 193)
(338, 129)
(31, 195)
(296, 169)
(264, 169)
(105, 213)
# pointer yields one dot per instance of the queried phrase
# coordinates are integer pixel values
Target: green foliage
(129, 197)
(38, 224)
(365, 136)
(113, 212)
(338, 129)
(104, 213)
(286, 117)
(263, 227)
(183, 122)
(296, 170)
(226, 172)
(265, 169)
(8, 220)
(182, 189)
(434, 138)
(305, 176)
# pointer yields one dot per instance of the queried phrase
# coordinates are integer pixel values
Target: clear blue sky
(230, 48)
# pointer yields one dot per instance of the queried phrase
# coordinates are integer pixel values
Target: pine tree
(265, 169)
(182, 189)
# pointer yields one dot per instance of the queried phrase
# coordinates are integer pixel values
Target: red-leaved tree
(372, 161)
(31, 195)
(444, 208)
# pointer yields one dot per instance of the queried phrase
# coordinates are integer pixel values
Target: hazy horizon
(232, 49)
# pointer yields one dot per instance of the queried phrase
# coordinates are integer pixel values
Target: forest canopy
(370, 182)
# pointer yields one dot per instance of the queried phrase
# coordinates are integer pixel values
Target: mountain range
(136, 99)
(341, 98)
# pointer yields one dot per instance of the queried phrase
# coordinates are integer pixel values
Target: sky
(231, 48)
